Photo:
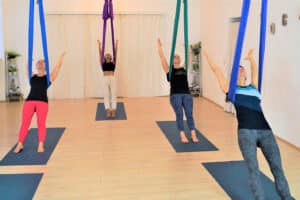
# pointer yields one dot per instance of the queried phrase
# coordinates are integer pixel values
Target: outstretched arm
(162, 56)
(56, 70)
(254, 71)
(100, 51)
(219, 75)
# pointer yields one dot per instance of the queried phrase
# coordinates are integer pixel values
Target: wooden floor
(132, 159)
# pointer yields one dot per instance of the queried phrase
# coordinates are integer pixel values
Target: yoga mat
(171, 132)
(19, 186)
(120, 114)
(29, 155)
(232, 176)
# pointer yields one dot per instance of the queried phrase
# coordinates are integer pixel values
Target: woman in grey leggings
(254, 130)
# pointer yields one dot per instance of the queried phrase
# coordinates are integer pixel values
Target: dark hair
(241, 66)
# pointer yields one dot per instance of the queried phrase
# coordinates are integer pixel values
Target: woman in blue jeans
(181, 99)
(254, 130)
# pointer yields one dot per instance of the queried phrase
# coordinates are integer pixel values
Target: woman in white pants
(108, 67)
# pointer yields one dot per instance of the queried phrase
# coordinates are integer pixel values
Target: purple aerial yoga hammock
(108, 13)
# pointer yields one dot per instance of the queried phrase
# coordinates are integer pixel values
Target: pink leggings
(41, 109)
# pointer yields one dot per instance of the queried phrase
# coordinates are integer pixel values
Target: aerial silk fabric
(175, 31)
(240, 44)
(31, 37)
(108, 13)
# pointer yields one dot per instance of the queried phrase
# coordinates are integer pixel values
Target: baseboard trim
(288, 143)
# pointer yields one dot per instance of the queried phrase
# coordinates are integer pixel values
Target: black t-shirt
(38, 90)
(179, 81)
(108, 66)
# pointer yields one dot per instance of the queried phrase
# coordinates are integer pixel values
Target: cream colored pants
(110, 99)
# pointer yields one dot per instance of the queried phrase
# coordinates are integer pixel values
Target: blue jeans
(180, 103)
(249, 140)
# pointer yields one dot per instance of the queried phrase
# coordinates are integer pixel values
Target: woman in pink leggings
(37, 101)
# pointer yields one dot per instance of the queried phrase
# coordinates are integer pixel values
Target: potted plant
(196, 49)
(13, 88)
(11, 59)
(196, 84)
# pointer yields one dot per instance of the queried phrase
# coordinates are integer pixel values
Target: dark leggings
(182, 102)
(249, 140)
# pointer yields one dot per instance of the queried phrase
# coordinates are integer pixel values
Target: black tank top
(108, 66)
(38, 90)
(179, 81)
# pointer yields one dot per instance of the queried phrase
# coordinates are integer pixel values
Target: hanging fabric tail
(30, 37)
(186, 34)
(44, 39)
(238, 50)
(108, 13)
(262, 47)
(174, 41)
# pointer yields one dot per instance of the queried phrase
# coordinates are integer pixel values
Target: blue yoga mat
(120, 114)
(19, 186)
(171, 132)
(29, 155)
(233, 178)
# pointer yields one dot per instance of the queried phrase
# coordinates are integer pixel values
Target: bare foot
(194, 136)
(183, 138)
(113, 113)
(18, 148)
(41, 148)
(108, 113)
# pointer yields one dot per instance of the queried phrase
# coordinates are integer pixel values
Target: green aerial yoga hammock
(186, 34)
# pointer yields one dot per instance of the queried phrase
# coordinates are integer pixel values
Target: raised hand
(250, 54)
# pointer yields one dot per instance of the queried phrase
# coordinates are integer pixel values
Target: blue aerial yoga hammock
(240, 43)
(31, 37)
(175, 31)
(108, 13)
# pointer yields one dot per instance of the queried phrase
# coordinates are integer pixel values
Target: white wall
(16, 20)
(281, 93)
(281, 85)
